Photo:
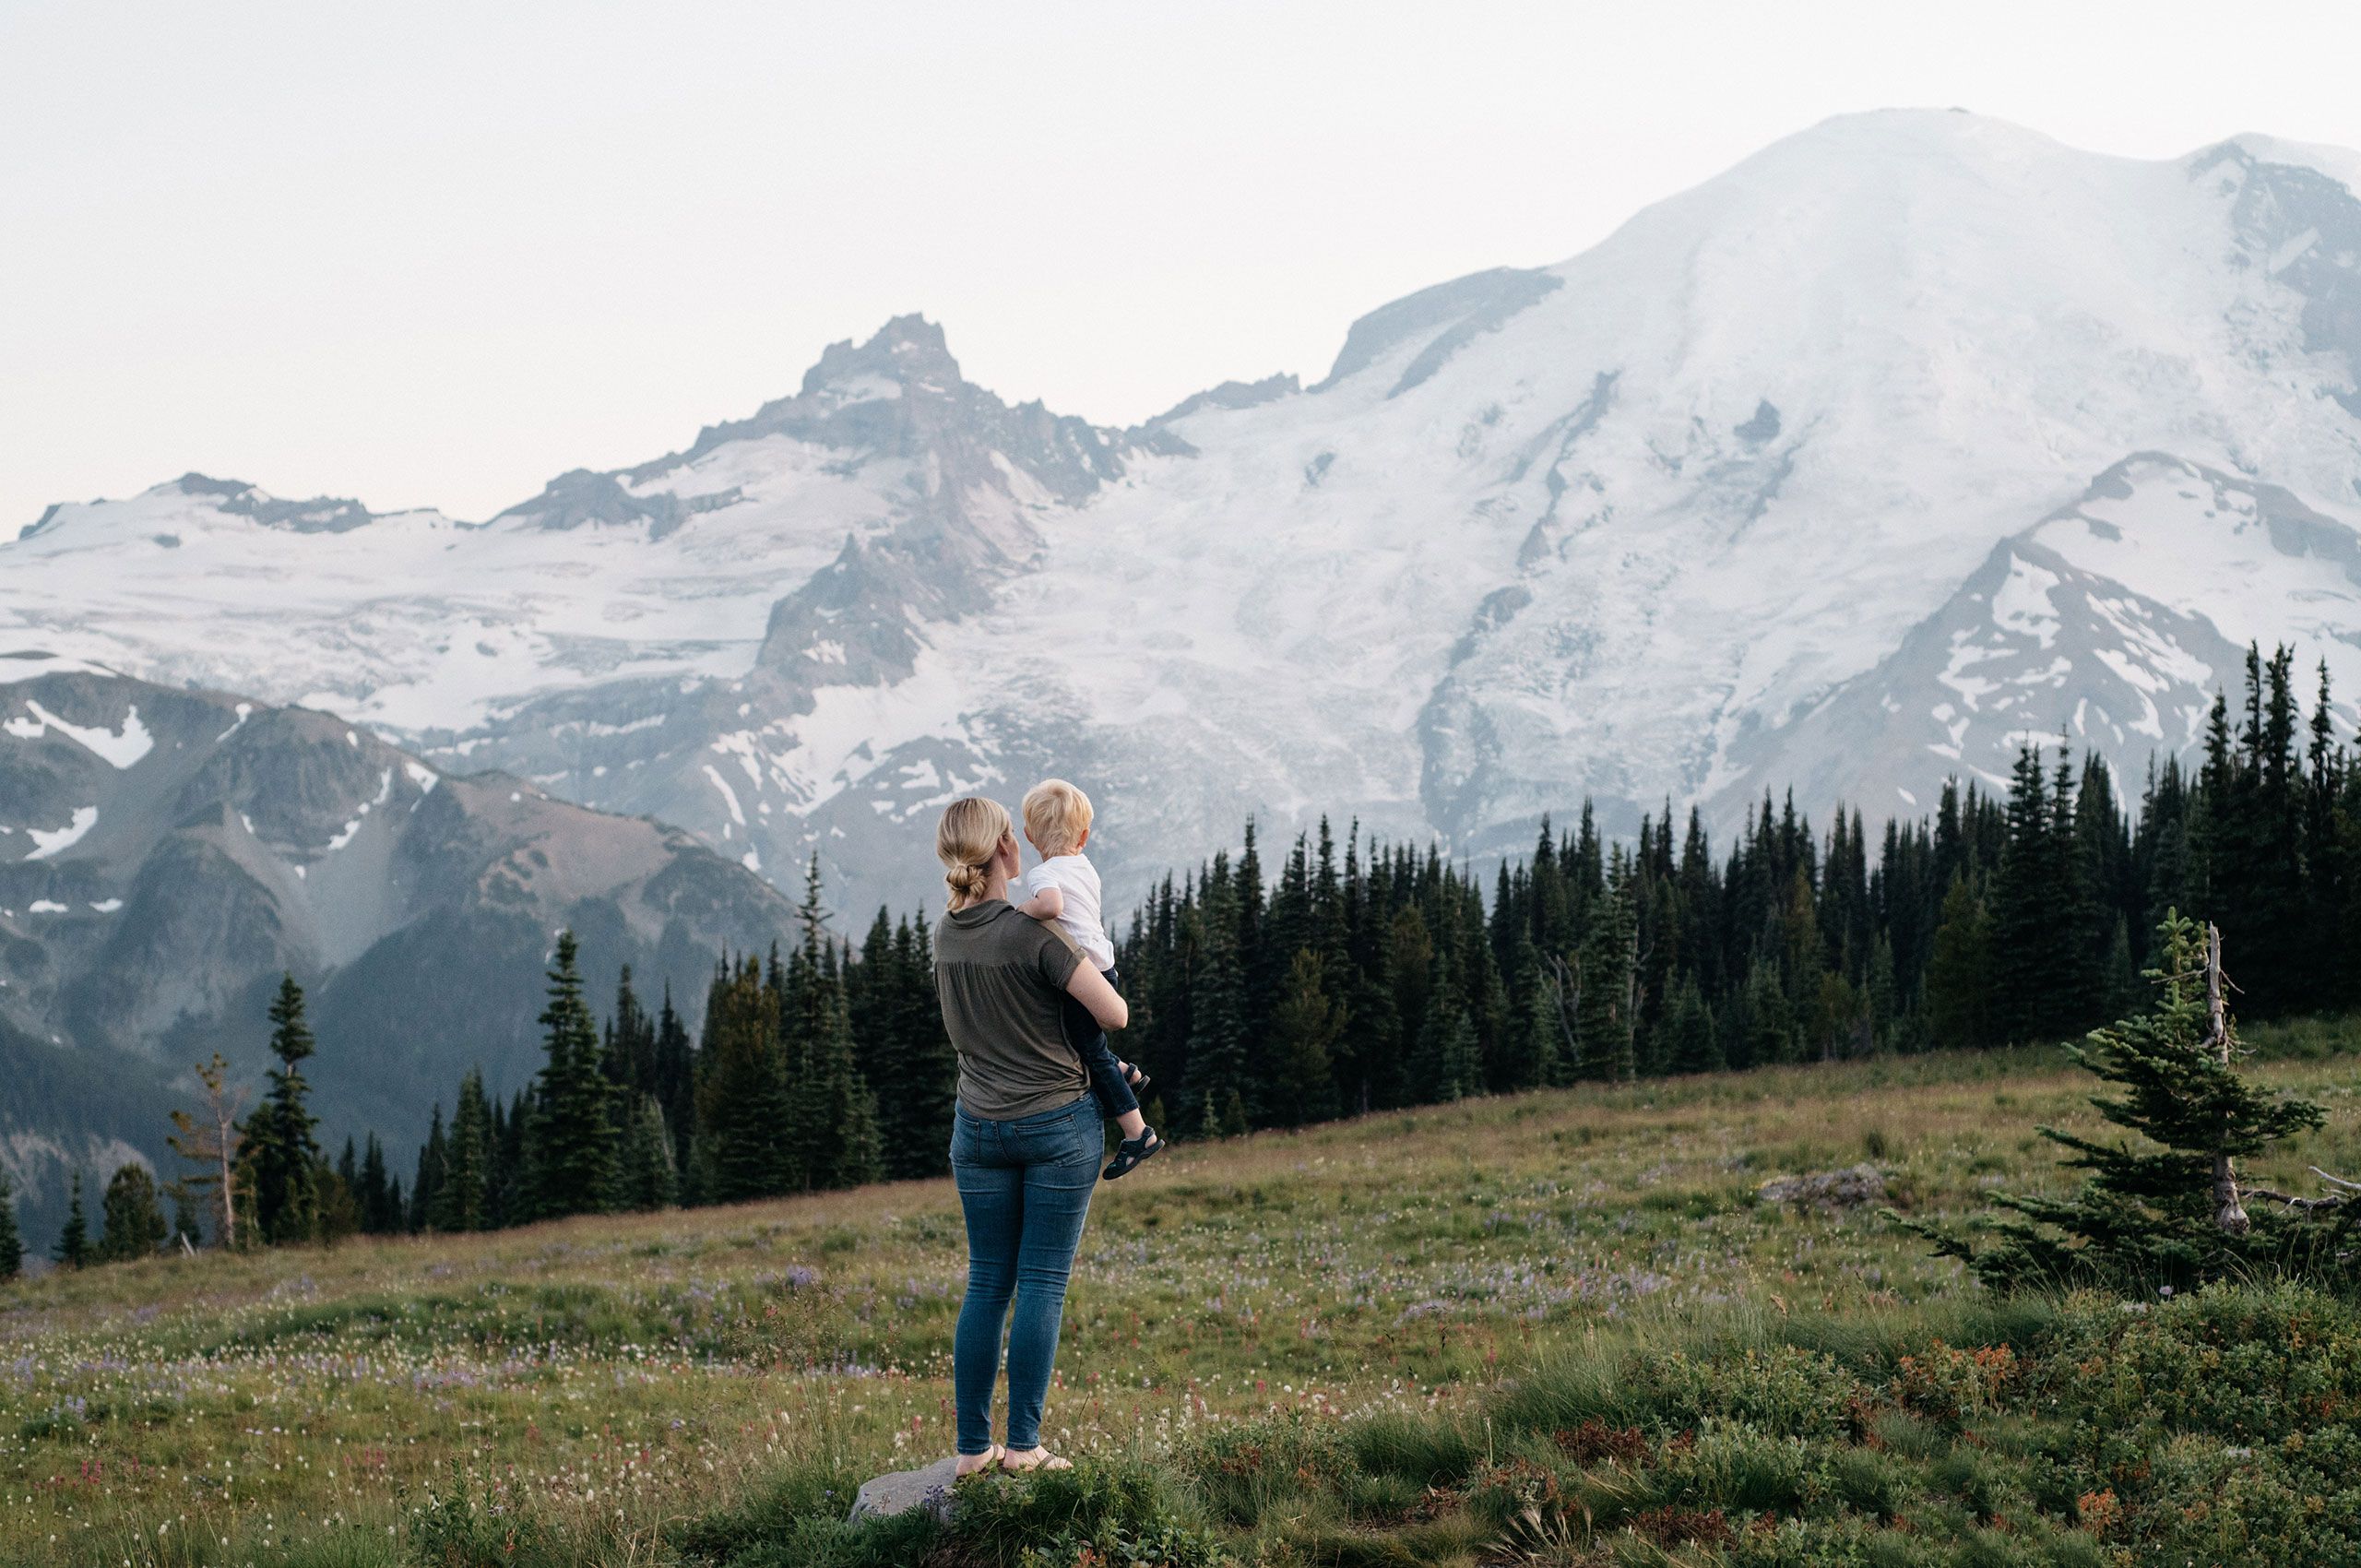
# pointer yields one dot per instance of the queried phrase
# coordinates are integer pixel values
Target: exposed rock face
(166, 854)
(1852, 469)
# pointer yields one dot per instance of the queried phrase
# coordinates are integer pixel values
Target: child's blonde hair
(1056, 816)
(970, 833)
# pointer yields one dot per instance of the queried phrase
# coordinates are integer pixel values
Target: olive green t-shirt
(1001, 977)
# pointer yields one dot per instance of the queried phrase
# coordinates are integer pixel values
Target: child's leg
(1107, 1085)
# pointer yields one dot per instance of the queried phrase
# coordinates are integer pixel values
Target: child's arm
(1046, 905)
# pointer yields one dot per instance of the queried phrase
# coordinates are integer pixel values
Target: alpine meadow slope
(1912, 436)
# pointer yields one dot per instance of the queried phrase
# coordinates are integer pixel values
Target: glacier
(1912, 437)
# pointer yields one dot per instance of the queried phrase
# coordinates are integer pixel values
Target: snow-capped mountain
(1912, 435)
(166, 854)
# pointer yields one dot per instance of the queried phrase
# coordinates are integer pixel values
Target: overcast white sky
(432, 254)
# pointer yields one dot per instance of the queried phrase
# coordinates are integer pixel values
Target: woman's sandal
(1043, 1460)
(992, 1457)
(1134, 1152)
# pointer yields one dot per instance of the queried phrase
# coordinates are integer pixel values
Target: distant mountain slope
(167, 853)
(1772, 486)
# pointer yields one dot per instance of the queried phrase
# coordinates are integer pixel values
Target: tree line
(1366, 976)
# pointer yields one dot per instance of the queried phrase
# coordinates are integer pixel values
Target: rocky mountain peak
(909, 351)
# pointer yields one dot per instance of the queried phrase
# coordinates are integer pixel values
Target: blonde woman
(1026, 1138)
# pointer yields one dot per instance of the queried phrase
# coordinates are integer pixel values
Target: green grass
(1551, 1329)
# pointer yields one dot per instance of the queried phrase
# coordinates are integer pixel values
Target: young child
(1064, 888)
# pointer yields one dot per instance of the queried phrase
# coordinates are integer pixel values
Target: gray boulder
(1849, 1188)
(902, 1490)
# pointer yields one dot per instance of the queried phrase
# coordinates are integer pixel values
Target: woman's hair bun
(964, 841)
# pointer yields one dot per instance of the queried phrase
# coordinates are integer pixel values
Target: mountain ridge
(1660, 520)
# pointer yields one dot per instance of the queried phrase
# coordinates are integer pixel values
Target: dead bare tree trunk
(212, 1144)
(2228, 1212)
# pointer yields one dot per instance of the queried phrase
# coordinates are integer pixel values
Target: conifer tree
(378, 1215)
(463, 1200)
(426, 1188)
(1693, 1045)
(1958, 973)
(73, 1249)
(134, 1220)
(1536, 1033)
(832, 1112)
(649, 1175)
(911, 1127)
(2153, 1212)
(674, 1085)
(281, 1151)
(12, 1239)
(339, 1206)
(574, 1128)
(629, 1058)
(1447, 1055)
(1305, 1027)
(1216, 1047)
(742, 1096)
(1605, 1021)
(512, 1171)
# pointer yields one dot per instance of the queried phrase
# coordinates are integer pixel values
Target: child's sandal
(1138, 1080)
(1132, 1153)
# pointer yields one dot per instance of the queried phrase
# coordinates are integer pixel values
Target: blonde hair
(1056, 816)
(970, 833)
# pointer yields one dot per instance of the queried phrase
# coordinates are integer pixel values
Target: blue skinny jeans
(1024, 1187)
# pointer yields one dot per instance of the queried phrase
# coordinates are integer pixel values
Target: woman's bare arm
(1089, 987)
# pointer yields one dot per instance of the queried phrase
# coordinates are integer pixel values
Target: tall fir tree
(675, 1084)
(1306, 1024)
(1218, 1014)
(574, 1126)
(281, 1150)
(463, 1200)
(647, 1177)
(73, 1249)
(426, 1187)
(742, 1151)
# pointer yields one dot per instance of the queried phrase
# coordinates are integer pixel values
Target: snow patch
(737, 813)
(65, 837)
(2023, 604)
(121, 748)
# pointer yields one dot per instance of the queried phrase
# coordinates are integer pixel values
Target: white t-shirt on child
(1076, 880)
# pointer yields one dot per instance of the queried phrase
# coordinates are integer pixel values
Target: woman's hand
(1089, 987)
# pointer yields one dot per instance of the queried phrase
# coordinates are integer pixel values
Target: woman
(1026, 1138)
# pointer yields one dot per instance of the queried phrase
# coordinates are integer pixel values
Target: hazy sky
(433, 254)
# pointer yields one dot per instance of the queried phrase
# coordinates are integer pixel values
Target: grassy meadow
(1557, 1328)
